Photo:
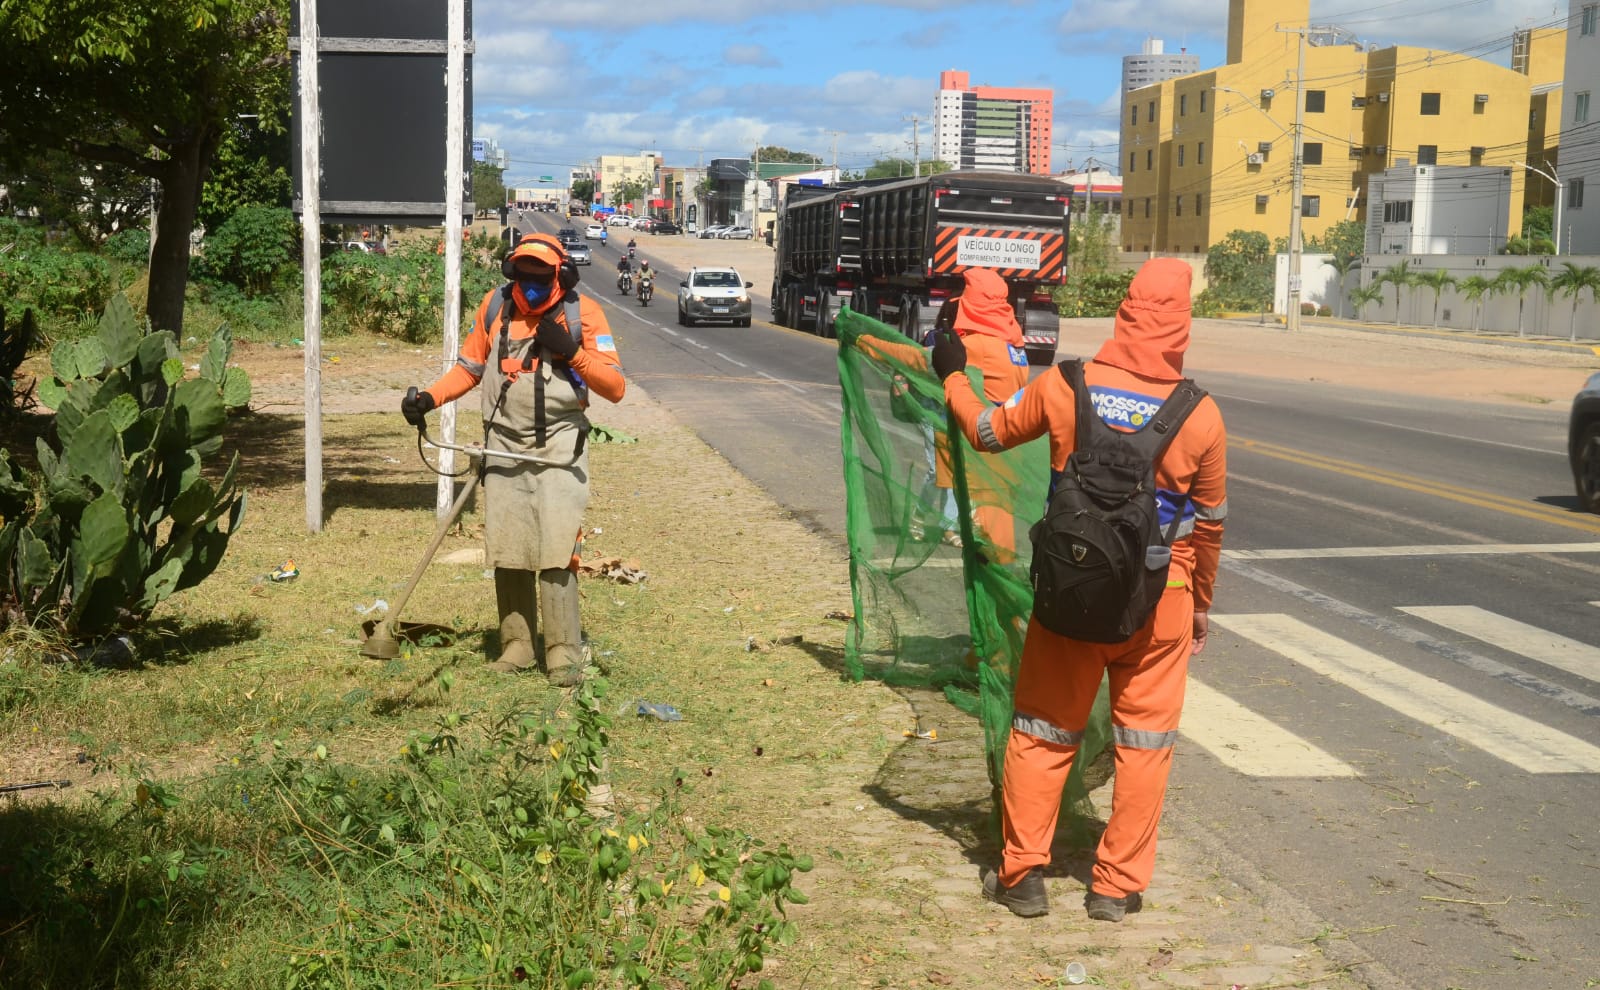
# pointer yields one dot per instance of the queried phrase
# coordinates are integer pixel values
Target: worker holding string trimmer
(537, 373)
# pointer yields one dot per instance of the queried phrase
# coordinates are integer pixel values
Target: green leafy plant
(401, 294)
(131, 246)
(255, 249)
(1239, 272)
(1398, 276)
(62, 285)
(120, 516)
(1362, 295)
(1093, 293)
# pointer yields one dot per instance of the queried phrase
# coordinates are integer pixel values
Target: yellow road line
(1411, 483)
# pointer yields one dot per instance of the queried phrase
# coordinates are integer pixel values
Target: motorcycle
(647, 288)
(625, 283)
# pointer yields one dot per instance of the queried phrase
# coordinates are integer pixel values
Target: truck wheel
(825, 316)
(778, 315)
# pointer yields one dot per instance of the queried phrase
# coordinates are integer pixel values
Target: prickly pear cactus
(120, 516)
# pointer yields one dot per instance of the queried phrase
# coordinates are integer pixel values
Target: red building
(995, 128)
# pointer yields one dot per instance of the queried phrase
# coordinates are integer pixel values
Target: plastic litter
(664, 712)
(285, 571)
(1076, 973)
(376, 605)
(931, 735)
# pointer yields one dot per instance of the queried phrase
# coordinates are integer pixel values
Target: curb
(1430, 333)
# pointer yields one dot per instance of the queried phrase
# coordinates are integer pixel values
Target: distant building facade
(1152, 66)
(991, 127)
(1580, 130)
(1439, 209)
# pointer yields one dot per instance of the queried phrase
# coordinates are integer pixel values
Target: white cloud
(756, 55)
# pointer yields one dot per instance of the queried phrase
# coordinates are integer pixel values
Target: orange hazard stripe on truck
(1052, 250)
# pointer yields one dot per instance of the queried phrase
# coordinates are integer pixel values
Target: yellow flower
(666, 887)
(555, 751)
(636, 842)
(543, 857)
(724, 894)
(697, 875)
(613, 833)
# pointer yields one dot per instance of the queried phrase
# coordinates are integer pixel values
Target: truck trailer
(894, 249)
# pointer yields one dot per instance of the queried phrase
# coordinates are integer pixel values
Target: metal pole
(1561, 195)
(1292, 317)
(454, 181)
(311, 256)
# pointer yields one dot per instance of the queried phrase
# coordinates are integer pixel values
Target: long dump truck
(894, 249)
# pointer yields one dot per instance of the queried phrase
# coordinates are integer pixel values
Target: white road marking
(1249, 743)
(696, 343)
(780, 381)
(670, 332)
(1426, 550)
(1514, 637)
(731, 360)
(1505, 735)
(1240, 398)
(1457, 436)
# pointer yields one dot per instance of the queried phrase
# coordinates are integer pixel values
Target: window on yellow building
(1149, 159)
(1180, 156)
(1427, 154)
(1200, 153)
(1147, 207)
(1316, 100)
(1311, 206)
(1177, 206)
(1133, 115)
(1202, 101)
(1196, 204)
(1152, 108)
(1130, 160)
(1430, 104)
(1183, 104)
(1311, 153)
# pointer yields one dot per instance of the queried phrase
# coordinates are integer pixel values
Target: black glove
(949, 354)
(416, 406)
(558, 341)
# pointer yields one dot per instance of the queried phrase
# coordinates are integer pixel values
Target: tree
(1473, 288)
(1239, 270)
(1090, 246)
(1346, 239)
(1438, 280)
(1538, 221)
(91, 199)
(488, 191)
(1396, 276)
(773, 153)
(1572, 280)
(252, 166)
(888, 168)
(1361, 295)
(583, 190)
(1343, 265)
(1519, 281)
(147, 85)
(627, 191)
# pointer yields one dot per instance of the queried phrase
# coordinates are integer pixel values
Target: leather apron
(533, 513)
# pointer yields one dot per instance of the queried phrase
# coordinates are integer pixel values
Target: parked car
(736, 234)
(580, 254)
(619, 220)
(643, 223)
(665, 227)
(714, 294)
(1583, 444)
(713, 230)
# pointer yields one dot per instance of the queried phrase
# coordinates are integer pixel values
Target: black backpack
(1099, 556)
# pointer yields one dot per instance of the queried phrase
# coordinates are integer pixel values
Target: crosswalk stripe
(1514, 637)
(1427, 550)
(1520, 741)
(1249, 743)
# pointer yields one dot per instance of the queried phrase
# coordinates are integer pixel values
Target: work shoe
(1104, 907)
(1027, 899)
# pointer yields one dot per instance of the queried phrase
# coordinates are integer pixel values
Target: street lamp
(1560, 195)
(1291, 316)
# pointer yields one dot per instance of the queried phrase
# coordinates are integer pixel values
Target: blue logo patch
(1119, 408)
(605, 343)
(1019, 356)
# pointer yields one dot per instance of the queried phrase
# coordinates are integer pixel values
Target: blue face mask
(535, 292)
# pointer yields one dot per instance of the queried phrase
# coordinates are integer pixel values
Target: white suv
(714, 294)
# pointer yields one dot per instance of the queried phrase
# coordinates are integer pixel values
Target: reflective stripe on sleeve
(1040, 729)
(472, 367)
(1143, 738)
(986, 435)
(1212, 512)
(1185, 528)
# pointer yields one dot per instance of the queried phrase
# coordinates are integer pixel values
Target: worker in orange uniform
(987, 326)
(539, 350)
(1137, 369)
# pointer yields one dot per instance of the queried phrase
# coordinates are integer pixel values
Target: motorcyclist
(632, 245)
(646, 273)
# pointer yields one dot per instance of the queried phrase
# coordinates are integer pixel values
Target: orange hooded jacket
(1128, 379)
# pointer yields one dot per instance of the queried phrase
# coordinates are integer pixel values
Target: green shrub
(1239, 271)
(131, 246)
(1324, 311)
(257, 250)
(61, 285)
(1093, 293)
(119, 516)
(400, 294)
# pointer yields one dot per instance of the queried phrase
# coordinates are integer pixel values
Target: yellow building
(1212, 152)
(613, 172)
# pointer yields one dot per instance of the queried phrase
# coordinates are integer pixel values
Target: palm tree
(1397, 276)
(1518, 281)
(1473, 289)
(1343, 265)
(1363, 294)
(1438, 280)
(1572, 280)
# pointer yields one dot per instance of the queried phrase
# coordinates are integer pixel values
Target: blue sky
(559, 83)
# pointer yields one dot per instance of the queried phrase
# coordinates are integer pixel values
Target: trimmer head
(381, 645)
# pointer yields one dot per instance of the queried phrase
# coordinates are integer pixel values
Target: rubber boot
(513, 595)
(563, 632)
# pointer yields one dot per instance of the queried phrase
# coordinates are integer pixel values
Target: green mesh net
(939, 546)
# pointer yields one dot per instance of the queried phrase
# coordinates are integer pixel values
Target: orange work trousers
(1055, 689)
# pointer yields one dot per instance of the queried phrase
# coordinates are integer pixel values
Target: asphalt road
(1398, 718)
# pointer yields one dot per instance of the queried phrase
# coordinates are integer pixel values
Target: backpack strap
(1155, 436)
(1072, 371)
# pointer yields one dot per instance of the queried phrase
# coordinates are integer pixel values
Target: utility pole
(1291, 319)
(916, 144)
(836, 154)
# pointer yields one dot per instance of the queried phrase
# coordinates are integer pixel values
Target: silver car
(714, 294)
(1583, 444)
(580, 254)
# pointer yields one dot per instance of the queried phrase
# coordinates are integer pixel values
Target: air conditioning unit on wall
(1255, 159)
